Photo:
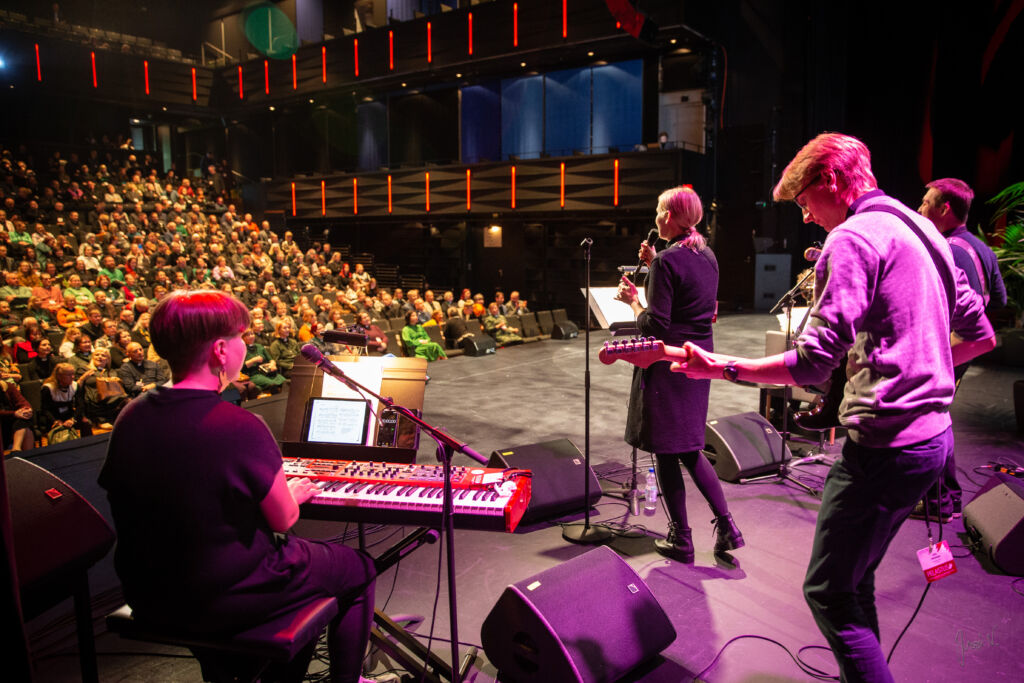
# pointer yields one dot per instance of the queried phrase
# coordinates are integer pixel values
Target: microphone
(812, 254)
(349, 338)
(652, 237)
(313, 355)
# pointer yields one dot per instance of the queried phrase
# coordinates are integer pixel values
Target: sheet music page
(368, 371)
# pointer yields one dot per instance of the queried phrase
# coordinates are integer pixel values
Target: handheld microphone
(349, 338)
(652, 237)
(812, 253)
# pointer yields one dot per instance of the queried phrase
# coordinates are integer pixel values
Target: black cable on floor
(806, 668)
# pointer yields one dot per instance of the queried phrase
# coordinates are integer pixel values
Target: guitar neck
(640, 352)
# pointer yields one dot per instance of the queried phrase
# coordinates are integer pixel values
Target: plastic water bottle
(651, 492)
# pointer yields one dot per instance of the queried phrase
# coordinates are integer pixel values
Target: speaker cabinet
(590, 620)
(742, 446)
(478, 345)
(995, 517)
(564, 329)
(558, 485)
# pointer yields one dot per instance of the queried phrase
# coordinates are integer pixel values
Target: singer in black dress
(667, 416)
(197, 492)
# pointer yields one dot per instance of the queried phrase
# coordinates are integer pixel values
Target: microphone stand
(447, 446)
(575, 533)
(784, 473)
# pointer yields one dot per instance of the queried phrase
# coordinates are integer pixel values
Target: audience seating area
(88, 244)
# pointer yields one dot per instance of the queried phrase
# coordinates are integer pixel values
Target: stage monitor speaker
(478, 345)
(557, 483)
(57, 533)
(995, 518)
(590, 620)
(743, 446)
(564, 329)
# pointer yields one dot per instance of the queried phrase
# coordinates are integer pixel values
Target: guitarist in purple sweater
(888, 293)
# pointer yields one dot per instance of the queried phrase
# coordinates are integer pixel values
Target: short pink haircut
(184, 325)
(686, 211)
(845, 155)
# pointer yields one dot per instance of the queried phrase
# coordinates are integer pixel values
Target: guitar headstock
(639, 351)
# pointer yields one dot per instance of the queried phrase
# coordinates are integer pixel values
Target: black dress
(668, 411)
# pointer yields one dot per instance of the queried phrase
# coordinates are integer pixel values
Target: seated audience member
(455, 329)
(259, 366)
(388, 307)
(43, 315)
(497, 326)
(69, 314)
(139, 375)
(66, 349)
(105, 395)
(285, 348)
(49, 295)
(140, 333)
(429, 303)
(119, 349)
(515, 305)
(15, 293)
(465, 301)
(40, 366)
(419, 308)
(15, 418)
(10, 322)
(62, 405)
(436, 319)
(478, 309)
(447, 301)
(229, 572)
(82, 356)
(376, 340)
(417, 341)
(93, 326)
(79, 292)
(25, 350)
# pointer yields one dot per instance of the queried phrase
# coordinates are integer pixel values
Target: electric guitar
(640, 351)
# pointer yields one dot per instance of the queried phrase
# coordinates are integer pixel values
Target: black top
(185, 474)
(668, 411)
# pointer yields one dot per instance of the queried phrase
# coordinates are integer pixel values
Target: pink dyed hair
(845, 155)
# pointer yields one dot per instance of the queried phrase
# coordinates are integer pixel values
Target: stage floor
(965, 630)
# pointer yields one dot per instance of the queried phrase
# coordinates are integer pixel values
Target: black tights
(670, 481)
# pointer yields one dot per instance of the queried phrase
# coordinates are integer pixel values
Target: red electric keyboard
(392, 493)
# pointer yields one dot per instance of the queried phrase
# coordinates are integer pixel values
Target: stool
(245, 655)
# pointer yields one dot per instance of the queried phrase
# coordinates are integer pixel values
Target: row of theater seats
(533, 327)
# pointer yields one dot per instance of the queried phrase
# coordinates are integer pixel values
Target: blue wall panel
(481, 122)
(372, 122)
(618, 106)
(567, 112)
(522, 117)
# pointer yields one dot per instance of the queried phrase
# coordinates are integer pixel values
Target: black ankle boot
(678, 544)
(729, 537)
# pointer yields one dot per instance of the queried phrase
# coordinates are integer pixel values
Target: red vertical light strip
(469, 205)
(355, 195)
(194, 97)
(95, 82)
(430, 50)
(389, 194)
(469, 23)
(561, 194)
(427, 176)
(323, 63)
(323, 197)
(515, 24)
(266, 76)
(615, 185)
(355, 56)
(295, 73)
(145, 71)
(565, 18)
(241, 90)
(513, 187)
(39, 66)
(391, 50)
(293, 197)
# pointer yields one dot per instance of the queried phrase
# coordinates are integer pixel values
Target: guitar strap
(949, 284)
(982, 280)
